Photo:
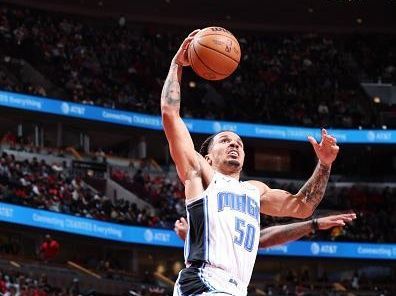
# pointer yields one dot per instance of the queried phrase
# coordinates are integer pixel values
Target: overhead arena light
(377, 100)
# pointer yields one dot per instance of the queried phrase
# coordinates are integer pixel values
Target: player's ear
(208, 159)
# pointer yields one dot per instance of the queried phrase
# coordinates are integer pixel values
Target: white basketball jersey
(224, 228)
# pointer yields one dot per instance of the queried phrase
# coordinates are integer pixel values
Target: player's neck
(229, 173)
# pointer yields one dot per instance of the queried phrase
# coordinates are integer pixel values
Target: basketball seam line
(217, 51)
(212, 34)
(207, 65)
(192, 60)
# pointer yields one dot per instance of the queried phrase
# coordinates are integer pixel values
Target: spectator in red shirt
(48, 249)
(9, 138)
(3, 286)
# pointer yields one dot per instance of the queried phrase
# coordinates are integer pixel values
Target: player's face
(227, 149)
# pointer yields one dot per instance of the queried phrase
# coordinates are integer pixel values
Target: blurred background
(88, 192)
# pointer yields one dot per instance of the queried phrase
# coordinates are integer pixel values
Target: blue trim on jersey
(200, 274)
(187, 242)
(192, 281)
(198, 231)
(179, 290)
(206, 213)
(177, 286)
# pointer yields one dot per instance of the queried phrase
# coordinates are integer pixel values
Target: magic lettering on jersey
(238, 202)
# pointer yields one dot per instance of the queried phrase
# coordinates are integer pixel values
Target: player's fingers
(186, 42)
(313, 142)
(352, 215)
(343, 215)
(339, 224)
(324, 133)
(329, 140)
(335, 223)
(346, 216)
(332, 139)
(349, 218)
(193, 33)
(183, 220)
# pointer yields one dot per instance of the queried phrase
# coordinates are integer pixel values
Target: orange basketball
(214, 53)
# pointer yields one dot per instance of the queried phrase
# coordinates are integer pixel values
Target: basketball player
(224, 213)
(281, 234)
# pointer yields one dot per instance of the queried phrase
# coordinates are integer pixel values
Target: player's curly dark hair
(204, 150)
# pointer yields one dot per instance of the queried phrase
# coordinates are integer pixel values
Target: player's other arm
(281, 234)
(180, 143)
(276, 202)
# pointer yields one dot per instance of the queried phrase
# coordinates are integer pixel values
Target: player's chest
(228, 201)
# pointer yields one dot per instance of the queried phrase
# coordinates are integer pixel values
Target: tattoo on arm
(172, 92)
(281, 234)
(170, 95)
(313, 190)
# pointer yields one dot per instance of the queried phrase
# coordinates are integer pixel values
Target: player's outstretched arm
(277, 202)
(281, 234)
(180, 143)
(313, 190)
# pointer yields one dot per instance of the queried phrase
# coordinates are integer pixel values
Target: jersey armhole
(203, 194)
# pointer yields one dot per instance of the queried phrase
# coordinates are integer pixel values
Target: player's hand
(181, 228)
(335, 220)
(181, 57)
(327, 149)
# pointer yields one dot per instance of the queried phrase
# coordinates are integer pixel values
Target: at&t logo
(148, 235)
(315, 248)
(65, 108)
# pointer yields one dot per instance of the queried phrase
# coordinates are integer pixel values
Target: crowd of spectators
(299, 79)
(164, 193)
(10, 79)
(377, 57)
(38, 184)
(289, 282)
(293, 281)
(17, 283)
(52, 187)
(374, 207)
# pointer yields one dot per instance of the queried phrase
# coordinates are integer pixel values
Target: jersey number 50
(245, 235)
